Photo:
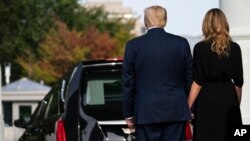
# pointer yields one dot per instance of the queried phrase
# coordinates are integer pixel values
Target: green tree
(122, 36)
(63, 48)
(83, 18)
(26, 24)
(23, 25)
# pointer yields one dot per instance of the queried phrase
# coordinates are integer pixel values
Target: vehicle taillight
(114, 59)
(60, 131)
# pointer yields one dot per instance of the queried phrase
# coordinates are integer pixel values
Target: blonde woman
(218, 78)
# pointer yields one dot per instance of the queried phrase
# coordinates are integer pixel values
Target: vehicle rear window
(103, 90)
(102, 94)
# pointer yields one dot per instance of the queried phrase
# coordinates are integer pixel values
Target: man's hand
(130, 122)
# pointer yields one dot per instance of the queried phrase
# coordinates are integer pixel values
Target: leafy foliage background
(43, 39)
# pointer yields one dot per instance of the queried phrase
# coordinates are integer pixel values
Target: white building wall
(117, 10)
(245, 103)
(238, 13)
(17, 132)
(13, 133)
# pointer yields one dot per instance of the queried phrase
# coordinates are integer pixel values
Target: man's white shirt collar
(153, 27)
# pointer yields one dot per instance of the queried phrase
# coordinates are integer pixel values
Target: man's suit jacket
(157, 74)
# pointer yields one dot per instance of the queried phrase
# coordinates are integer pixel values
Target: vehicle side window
(44, 106)
(48, 102)
(52, 107)
(40, 110)
(53, 102)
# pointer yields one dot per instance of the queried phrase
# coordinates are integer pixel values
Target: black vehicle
(85, 105)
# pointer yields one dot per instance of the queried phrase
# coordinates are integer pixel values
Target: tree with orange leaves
(62, 49)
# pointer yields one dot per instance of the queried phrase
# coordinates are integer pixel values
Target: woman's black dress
(216, 108)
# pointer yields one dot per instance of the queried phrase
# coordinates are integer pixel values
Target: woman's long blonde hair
(215, 28)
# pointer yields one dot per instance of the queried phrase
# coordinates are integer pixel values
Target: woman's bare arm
(195, 89)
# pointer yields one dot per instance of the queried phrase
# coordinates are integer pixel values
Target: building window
(7, 112)
(25, 112)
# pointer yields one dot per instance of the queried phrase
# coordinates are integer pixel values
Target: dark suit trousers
(171, 131)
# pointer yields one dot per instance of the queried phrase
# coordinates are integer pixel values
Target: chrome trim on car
(104, 64)
(113, 122)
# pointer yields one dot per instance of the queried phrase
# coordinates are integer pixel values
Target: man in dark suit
(157, 73)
